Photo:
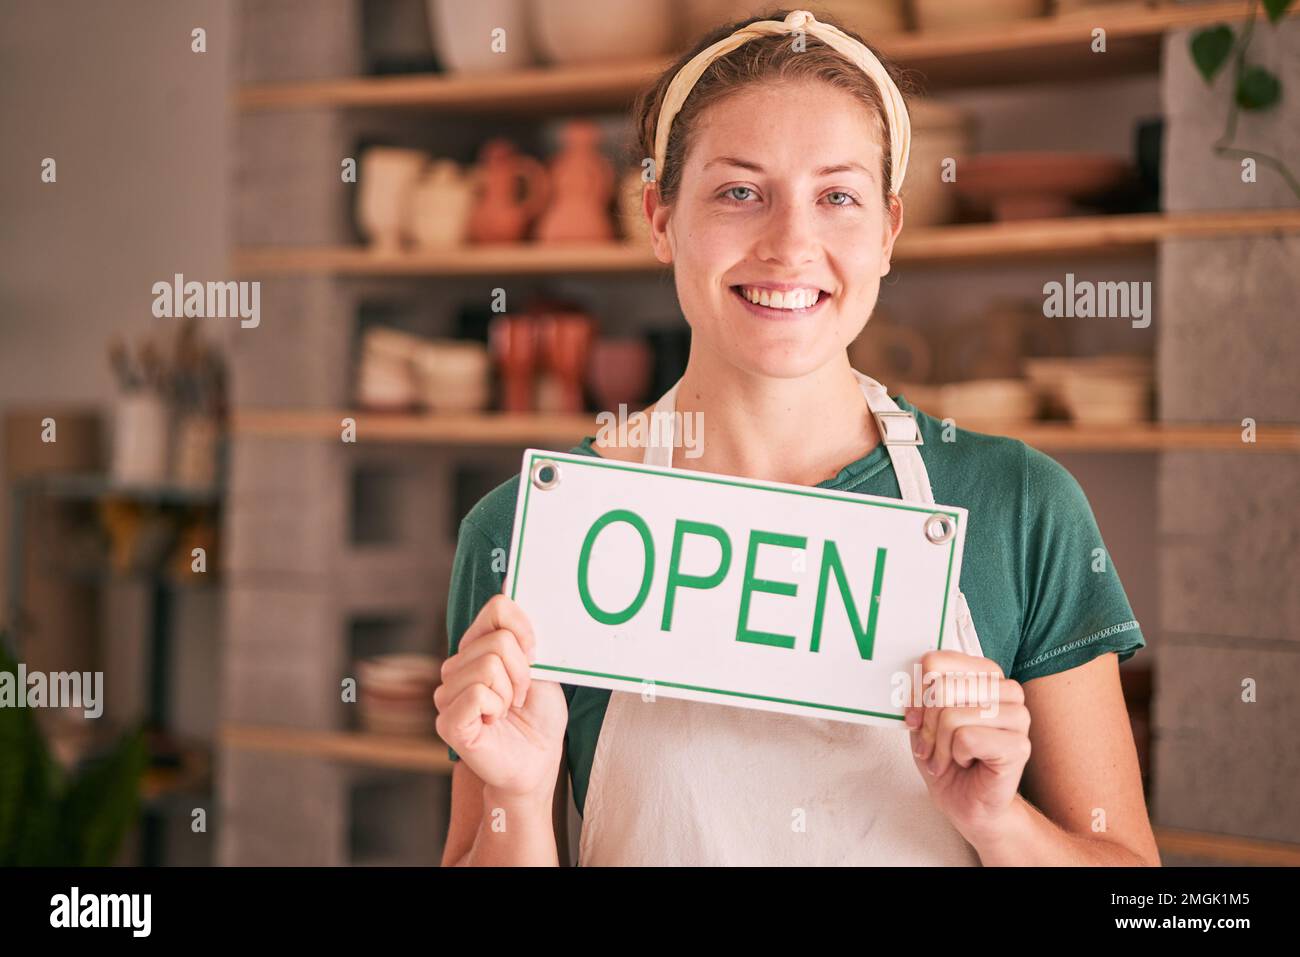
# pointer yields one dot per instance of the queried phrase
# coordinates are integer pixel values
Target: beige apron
(692, 783)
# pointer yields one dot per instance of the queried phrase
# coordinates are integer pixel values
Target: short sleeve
(1074, 606)
(477, 573)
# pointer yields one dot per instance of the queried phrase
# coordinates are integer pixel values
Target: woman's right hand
(508, 728)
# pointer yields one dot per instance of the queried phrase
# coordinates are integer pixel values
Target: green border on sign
(738, 483)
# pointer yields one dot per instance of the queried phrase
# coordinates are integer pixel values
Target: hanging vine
(1255, 88)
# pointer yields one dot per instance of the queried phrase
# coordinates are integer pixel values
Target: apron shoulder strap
(663, 430)
(900, 434)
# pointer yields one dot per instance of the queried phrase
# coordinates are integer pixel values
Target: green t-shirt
(1044, 595)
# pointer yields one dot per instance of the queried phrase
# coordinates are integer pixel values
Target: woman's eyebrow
(756, 168)
(733, 161)
(844, 168)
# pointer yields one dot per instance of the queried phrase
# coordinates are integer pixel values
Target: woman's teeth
(776, 299)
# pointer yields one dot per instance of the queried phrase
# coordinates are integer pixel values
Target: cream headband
(900, 127)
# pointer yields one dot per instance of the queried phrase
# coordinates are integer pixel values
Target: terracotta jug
(582, 186)
(513, 341)
(501, 214)
(565, 341)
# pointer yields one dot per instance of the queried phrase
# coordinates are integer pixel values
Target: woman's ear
(656, 214)
(893, 225)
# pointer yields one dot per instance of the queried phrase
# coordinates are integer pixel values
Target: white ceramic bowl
(399, 672)
(464, 40)
(1107, 398)
(596, 31)
(1001, 400)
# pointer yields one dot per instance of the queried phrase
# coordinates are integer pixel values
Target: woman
(779, 150)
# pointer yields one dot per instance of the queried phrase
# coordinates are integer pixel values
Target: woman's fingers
(460, 722)
(505, 645)
(1009, 717)
(952, 679)
(998, 748)
(487, 670)
(500, 612)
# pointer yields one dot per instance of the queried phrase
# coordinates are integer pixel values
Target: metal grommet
(546, 474)
(939, 528)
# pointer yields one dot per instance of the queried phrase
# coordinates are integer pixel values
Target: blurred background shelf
(516, 430)
(1049, 48)
(97, 485)
(374, 750)
(479, 429)
(1134, 234)
(519, 259)
(1226, 849)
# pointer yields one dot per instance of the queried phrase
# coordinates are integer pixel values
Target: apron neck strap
(899, 433)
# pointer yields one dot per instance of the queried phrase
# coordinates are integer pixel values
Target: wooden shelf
(1227, 849)
(349, 747)
(1147, 437)
(520, 259)
(486, 429)
(517, 431)
(1090, 236)
(1056, 48)
(1043, 48)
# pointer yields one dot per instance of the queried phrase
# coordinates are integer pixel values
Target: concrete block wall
(1229, 530)
(278, 810)
(305, 594)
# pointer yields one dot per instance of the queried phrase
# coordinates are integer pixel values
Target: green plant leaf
(46, 821)
(1257, 89)
(102, 803)
(1276, 9)
(33, 839)
(13, 766)
(1210, 49)
(29, 781)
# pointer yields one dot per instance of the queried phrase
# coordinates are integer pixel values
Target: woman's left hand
(970, 740)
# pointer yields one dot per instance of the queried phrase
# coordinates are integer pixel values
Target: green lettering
(831, 562)
(584, 558)
(676, 578)
(751, 584)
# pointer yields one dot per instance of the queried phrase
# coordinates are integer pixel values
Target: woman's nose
(789, 233)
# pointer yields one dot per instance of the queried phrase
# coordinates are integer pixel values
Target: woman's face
(780, 193)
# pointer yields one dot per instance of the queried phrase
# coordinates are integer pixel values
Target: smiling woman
(780, 144)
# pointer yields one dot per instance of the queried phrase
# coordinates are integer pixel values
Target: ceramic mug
(388, 178)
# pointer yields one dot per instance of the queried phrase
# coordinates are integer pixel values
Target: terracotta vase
(582, 185)
(513, 342)
(565, 339)
(619, 372)
(501, 213)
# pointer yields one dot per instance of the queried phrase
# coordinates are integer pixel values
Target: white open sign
(715, 588)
